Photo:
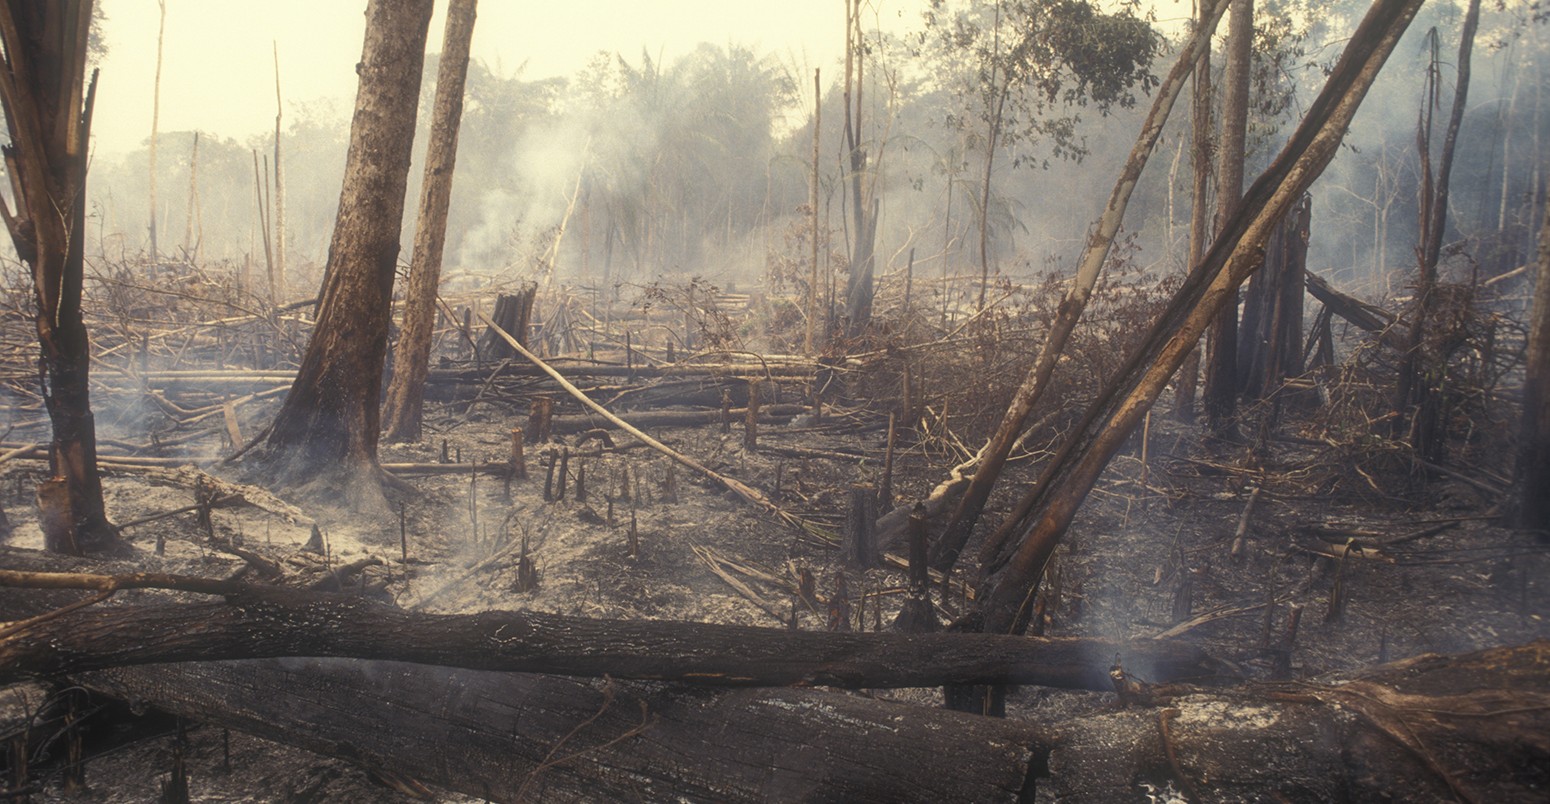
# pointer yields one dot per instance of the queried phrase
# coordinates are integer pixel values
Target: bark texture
(48, 117)
(263, 622)
(515, 737)
(1466, 727)
(406, 392)
(1221, 391)
(325, 436)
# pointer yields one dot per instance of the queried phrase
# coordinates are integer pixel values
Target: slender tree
(1534, 434)
(406, 393)
(1221, 391)
(48, 116)
(161, 29)
(1188, 381)
(859, 290)
(324, 438)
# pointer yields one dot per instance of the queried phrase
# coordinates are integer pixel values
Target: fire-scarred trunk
(325, 436)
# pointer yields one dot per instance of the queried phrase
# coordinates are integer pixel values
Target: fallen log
(268, 622)
(1472, 727)
(516, 737)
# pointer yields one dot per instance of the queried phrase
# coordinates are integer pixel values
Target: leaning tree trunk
(1221, 391)
(1534, 433)
(327, 430)
(406, 393)
(48, 115)
(945, 552)
(1210, 288)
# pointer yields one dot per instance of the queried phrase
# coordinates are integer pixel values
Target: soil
(1380, 569)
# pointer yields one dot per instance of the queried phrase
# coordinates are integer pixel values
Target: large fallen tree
(1474, 727)
(265, 622)
(517, 737)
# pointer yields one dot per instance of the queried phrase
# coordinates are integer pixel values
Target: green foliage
(1025, 67)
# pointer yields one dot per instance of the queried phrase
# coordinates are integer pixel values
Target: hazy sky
(218, 64)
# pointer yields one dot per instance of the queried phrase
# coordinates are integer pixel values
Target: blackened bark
(1533, 470)
(518, 737)
(325, 436)
(48, 116)
(262, 622)
(1221, 385)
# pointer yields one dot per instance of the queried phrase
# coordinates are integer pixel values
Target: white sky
(218, 68)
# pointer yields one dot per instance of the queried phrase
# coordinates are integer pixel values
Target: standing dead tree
(945, 551)
(860, 289)
(1046, 512)
(48, 116)
(406, 392)
(1417, 391)
(328, 428)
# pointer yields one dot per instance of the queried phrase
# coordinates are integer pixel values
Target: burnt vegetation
(730, 436)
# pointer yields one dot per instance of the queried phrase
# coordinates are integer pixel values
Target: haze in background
(218, 55)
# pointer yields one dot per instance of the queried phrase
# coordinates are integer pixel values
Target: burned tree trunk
(1270, 334)
(515, 737)
(513, 314)
(48, 117)
(265, 622)
(1221, 391)
(406, 392)
(1188, 381)
(328, 428)
(860, 288)
(1467, 727)
(1533, 469)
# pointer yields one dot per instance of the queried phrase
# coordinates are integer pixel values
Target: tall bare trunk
(325, 436)
(279, 187)
(193, 221)
(945, 551)
(161, 28)
(859, 289)
(1235, 254)
(1188, 381)
(1221, 392)
(48, 116)
(406, 393)
(811, 310)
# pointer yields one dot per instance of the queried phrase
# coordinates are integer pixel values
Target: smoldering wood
(267, 622)
(513, 313)
(518, 737)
